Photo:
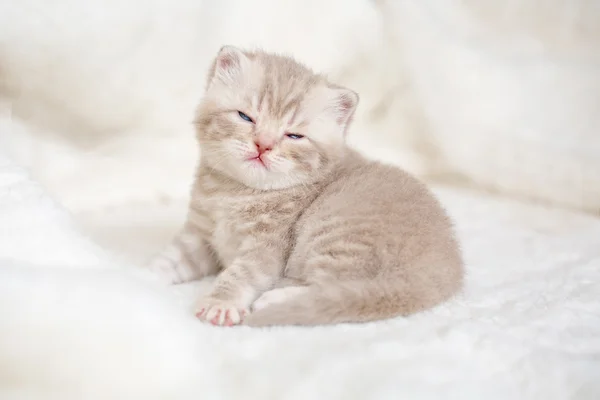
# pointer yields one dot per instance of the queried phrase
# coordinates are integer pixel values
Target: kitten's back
(375, 244)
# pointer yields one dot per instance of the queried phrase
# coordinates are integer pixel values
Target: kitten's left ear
(228, 65)
(343, 103)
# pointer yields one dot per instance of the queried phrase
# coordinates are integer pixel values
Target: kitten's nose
(262, 146)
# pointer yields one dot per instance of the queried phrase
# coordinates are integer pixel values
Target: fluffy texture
(280, 200)
(72, 326)
(500, 96)
(510, 94)
(500, 93)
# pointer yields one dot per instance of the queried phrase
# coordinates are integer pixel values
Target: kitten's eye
(294, 136)
(245, 117)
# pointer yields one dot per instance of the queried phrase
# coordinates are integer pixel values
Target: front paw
(219, 312)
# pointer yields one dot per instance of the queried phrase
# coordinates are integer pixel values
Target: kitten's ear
(343, 103)
(227, 66)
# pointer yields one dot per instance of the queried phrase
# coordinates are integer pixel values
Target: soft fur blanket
(96, 154)
(75, 324)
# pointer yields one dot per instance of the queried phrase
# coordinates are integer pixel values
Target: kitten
(301, 229)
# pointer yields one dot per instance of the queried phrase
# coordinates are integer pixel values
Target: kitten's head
(269, 122)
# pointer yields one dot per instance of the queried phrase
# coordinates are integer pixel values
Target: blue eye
(245, 117)
(294, 136)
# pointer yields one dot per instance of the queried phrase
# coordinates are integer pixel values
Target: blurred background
(500, 97)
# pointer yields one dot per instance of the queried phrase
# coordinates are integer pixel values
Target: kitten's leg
(237, 286)
(187, 257)
(278, 295)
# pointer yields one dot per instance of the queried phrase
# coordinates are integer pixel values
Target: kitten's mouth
(258, 161)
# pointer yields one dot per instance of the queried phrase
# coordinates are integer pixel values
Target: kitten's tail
(350, 303)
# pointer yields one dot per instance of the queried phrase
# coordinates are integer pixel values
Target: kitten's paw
(220, 313)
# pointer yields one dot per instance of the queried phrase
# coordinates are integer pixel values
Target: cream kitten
(300, 228)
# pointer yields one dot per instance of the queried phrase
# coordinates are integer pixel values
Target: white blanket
(500, 94)
(75, 323)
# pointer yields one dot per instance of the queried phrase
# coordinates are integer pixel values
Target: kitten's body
(312, 233)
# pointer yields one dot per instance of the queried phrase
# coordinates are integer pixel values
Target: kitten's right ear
(342, 104)
(227, 66)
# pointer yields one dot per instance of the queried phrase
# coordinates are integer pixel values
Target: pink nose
(262, 147)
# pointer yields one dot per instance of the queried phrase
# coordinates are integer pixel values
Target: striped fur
(313, 233)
